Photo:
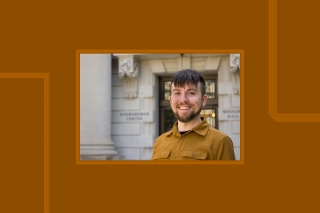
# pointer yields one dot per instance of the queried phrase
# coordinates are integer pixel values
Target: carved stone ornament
(128, 72)
(128, 67)
(234, 63)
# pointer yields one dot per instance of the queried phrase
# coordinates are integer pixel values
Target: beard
(189, 117)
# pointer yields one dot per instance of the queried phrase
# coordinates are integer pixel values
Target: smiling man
(191, 137)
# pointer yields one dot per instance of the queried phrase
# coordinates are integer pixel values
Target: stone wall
(133, 119)
(229, 102)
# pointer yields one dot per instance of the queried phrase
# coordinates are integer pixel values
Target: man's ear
(169, 98)
(204, 100)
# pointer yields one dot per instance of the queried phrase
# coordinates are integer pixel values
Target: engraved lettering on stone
(231, 113)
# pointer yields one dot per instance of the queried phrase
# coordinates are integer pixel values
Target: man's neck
(189, 125)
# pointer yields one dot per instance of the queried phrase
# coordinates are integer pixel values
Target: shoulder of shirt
(168, 132)
(164, 134)
(216, 133)
(161, 139)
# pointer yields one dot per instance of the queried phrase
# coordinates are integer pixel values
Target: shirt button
(175, 157)
(193, 154)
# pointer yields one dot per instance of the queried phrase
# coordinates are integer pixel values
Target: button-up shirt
(202, 142)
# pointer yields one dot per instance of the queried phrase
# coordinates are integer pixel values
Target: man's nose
(184, 97)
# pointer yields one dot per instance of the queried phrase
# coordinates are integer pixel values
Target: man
(191, 137)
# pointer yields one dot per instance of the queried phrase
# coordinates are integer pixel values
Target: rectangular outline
(149, 162)
(272, 24)
(46, 77)
(284, 117)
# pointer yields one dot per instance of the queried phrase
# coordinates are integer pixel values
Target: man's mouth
(184, 107)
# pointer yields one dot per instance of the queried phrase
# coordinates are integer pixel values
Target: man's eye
(192, 93)
(176, 93)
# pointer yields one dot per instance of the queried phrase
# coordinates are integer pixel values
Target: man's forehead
(186, 86)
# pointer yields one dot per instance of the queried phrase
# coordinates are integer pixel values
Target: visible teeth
(184, 107)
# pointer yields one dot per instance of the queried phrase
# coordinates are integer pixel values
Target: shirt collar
(201, 129)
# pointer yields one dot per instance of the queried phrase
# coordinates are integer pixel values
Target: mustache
(184, 104)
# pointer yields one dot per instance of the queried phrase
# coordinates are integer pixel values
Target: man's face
(187, 102)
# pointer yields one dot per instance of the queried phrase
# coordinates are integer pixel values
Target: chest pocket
(193, 155)
(161, 155)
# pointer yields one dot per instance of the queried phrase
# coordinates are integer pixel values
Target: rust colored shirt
(203, 142)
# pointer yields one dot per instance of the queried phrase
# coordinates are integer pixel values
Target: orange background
(281, 158)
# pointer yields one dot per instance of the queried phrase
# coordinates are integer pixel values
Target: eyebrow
(187, 89)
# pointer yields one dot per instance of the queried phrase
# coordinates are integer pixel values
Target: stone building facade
(124, 105)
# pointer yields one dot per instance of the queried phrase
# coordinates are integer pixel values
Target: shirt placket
(177, 148)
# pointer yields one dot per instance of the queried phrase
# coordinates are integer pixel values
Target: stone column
(95, 107)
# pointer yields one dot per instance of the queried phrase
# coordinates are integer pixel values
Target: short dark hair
(188, 76)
